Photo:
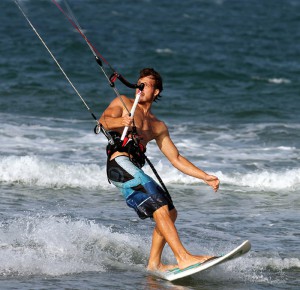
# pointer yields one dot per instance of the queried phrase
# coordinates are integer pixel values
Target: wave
(60, 245)
(260, 180)
(264, 180)
(164, 51)
(277, 81)
(255, 269)
(35, 171)
(35, 245)
(38, 171)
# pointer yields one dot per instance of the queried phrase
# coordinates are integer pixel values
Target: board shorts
(140, 191)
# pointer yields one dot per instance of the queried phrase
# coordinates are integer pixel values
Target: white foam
(59, 245)
(253, 269)
(33, 170)
(38, 171)
(264, 180)
(279, 81)
(164, 51)
(62, 153)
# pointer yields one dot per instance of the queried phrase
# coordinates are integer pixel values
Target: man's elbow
(175, 161)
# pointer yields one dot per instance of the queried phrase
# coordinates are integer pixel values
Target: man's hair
(150, 72)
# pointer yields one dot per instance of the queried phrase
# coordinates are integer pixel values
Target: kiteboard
(176, 273)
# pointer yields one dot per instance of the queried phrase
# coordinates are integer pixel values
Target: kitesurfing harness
(127, 142)
(131, 145)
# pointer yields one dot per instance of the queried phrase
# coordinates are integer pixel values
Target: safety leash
(157, 175)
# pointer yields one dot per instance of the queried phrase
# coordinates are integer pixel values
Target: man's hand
(127, 121)
(212, 181)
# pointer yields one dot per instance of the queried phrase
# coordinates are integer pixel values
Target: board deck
(176, 273)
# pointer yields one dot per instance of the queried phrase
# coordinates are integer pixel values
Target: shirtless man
(141, 192)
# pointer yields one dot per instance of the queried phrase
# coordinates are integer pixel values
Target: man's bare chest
(145, 128)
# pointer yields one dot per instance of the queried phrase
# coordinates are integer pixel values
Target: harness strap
(130, 145)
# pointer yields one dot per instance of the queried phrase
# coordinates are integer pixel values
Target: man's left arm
(169, 149)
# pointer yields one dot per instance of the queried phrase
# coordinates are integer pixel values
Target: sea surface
(231, 99)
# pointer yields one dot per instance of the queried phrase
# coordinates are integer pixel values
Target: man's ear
(156, 92)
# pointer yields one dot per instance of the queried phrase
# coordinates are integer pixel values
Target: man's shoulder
(154, 120)
(159, 127)
(121, 100)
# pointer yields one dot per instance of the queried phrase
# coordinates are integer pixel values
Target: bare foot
(203, 259)
(162, 267)
(192, 260)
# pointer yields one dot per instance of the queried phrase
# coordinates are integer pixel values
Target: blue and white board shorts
(140, 191)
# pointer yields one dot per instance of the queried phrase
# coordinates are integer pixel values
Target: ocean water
(231, 101)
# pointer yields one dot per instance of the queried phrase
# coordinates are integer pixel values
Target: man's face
(149, 92)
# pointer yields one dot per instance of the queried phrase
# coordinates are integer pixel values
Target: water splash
(54, 245)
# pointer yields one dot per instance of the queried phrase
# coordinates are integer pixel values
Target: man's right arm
(114, 117)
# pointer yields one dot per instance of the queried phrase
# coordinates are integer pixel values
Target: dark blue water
(231, 101)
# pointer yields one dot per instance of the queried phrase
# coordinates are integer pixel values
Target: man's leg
(158, 243)
(169, 234)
